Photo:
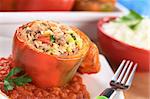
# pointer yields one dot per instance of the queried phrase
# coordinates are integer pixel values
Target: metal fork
(122, 79)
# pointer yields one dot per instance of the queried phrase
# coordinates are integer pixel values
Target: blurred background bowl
(116, 50)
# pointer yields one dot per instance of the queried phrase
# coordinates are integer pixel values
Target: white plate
(86, 21)
(95, 83)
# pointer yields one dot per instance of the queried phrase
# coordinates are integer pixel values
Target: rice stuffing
(51, 37)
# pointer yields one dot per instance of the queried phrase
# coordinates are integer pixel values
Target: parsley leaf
(132, 19)
(10, 81)
(20, 81)
(14, 71)
(8, 85)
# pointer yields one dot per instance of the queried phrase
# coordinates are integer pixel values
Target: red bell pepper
(36, 5)
(90, 63)
(45, 5)
(48, 70)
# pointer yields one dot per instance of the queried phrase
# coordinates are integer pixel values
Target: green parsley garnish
(132, 19)
(52, 38)
(10, 81)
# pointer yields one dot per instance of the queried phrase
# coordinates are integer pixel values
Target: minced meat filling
(51, 37)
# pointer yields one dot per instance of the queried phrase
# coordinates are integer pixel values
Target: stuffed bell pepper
(51, 52)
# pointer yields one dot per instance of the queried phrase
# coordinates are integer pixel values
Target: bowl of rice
(126, 37)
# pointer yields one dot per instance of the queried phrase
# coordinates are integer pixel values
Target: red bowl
(116, 50)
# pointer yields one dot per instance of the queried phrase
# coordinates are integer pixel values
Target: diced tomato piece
(44, 39)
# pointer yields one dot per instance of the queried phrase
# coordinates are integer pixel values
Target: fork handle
(106, 93)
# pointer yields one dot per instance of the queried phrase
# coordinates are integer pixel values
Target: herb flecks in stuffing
(52, 38)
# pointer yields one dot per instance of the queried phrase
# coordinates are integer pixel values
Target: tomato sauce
(75, 89)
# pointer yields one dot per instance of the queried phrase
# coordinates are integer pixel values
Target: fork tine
(123, 71)
(127, 73)
(129, 81)
(114, 78)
